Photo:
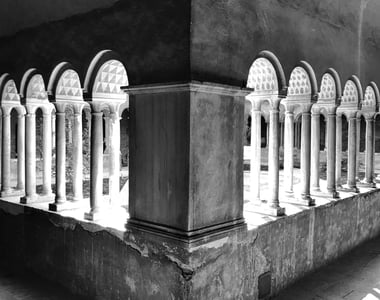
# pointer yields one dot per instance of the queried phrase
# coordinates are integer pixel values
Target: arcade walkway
(355, 276)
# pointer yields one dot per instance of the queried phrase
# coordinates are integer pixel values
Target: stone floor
(354, 276)
(29, 287)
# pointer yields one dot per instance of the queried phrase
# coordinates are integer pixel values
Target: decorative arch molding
(266, 75)
(105, 75)
(64, 84)
(8, 90)
(32, 87)
(352, 94)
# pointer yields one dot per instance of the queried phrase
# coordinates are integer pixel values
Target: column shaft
(289, 151)
(21, 153)
(331, 154)
(352, 143)
(6, 154)
(369, 153)
(315, 146)
(338, 167)
(77, 158)
(114, 165)
(357, 159)
(255, 160)
(96, 171)
(47, 154)
(60, 137)
(30, 158)
(305, 158)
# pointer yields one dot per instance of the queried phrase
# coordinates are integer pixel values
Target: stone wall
(105, 263)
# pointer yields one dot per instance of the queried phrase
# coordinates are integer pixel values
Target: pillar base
(272, 211)
(366, 184)
(30, 199)
(12, 192)
(352, 189)
(94, 215)
(61, 206)
(332, 194)
(182, 235)
(300, 200)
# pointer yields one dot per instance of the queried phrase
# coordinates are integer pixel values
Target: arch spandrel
(36, 89)
(110, 77)
(69, 87)
(299, 84)
(8, 90)
(262, 77)
(352, 95)
(369, 102)
(328, 89)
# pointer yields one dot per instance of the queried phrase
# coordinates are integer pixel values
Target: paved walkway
(28, 287)
(354, 276)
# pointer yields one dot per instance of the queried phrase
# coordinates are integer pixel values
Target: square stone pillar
(186, 158)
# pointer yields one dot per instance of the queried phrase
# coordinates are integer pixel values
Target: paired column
(255, 161)
(369, 151)
(96, 172)
(273, 162)
(114, 152)
(21, 153)
(77, 156)
(289, 151)
(47, 154)
(30, 159)
(6, 155)
(305, 159)
(338, 160)
(315, 147)
(352, 146)
(60, 179)
(331, 153)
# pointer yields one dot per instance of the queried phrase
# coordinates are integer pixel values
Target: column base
(61, 206)
(29, 199)
(300, 200)
(350, 189)
(366, 184)
(270, 210)
(186, 236)
(332, 194)
(94, 216)
(12, 193)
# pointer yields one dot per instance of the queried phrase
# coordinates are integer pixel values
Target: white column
(273, 163)
(289, 151)
(315, 147)
(369, 153)
(6, 155)
(21, 152)
(305, 159)
(78, 157)
(331, 154)
(96, 175)
(30, 159)
(338, 167)
(114, 169)
(255, 160)
(357, 161)
(352, 146)
(47, 154)
(60, 179)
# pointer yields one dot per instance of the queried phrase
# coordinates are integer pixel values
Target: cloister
(187, 149)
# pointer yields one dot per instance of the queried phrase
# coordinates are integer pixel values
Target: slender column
(273, 163)
(338, 160)
(255, 161)
(369, 153)
(30, 159)
(289, 151)
(305, 159)
(326, 134)
(6, 155)
(357, 159)
(21, 153)
(60, 179)
(352, 143)
(282, 134)
(267, 134)
(315, 146)
(47, 154)
(331, 154)
(114, 165)
(77, 158)
(96, 172)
